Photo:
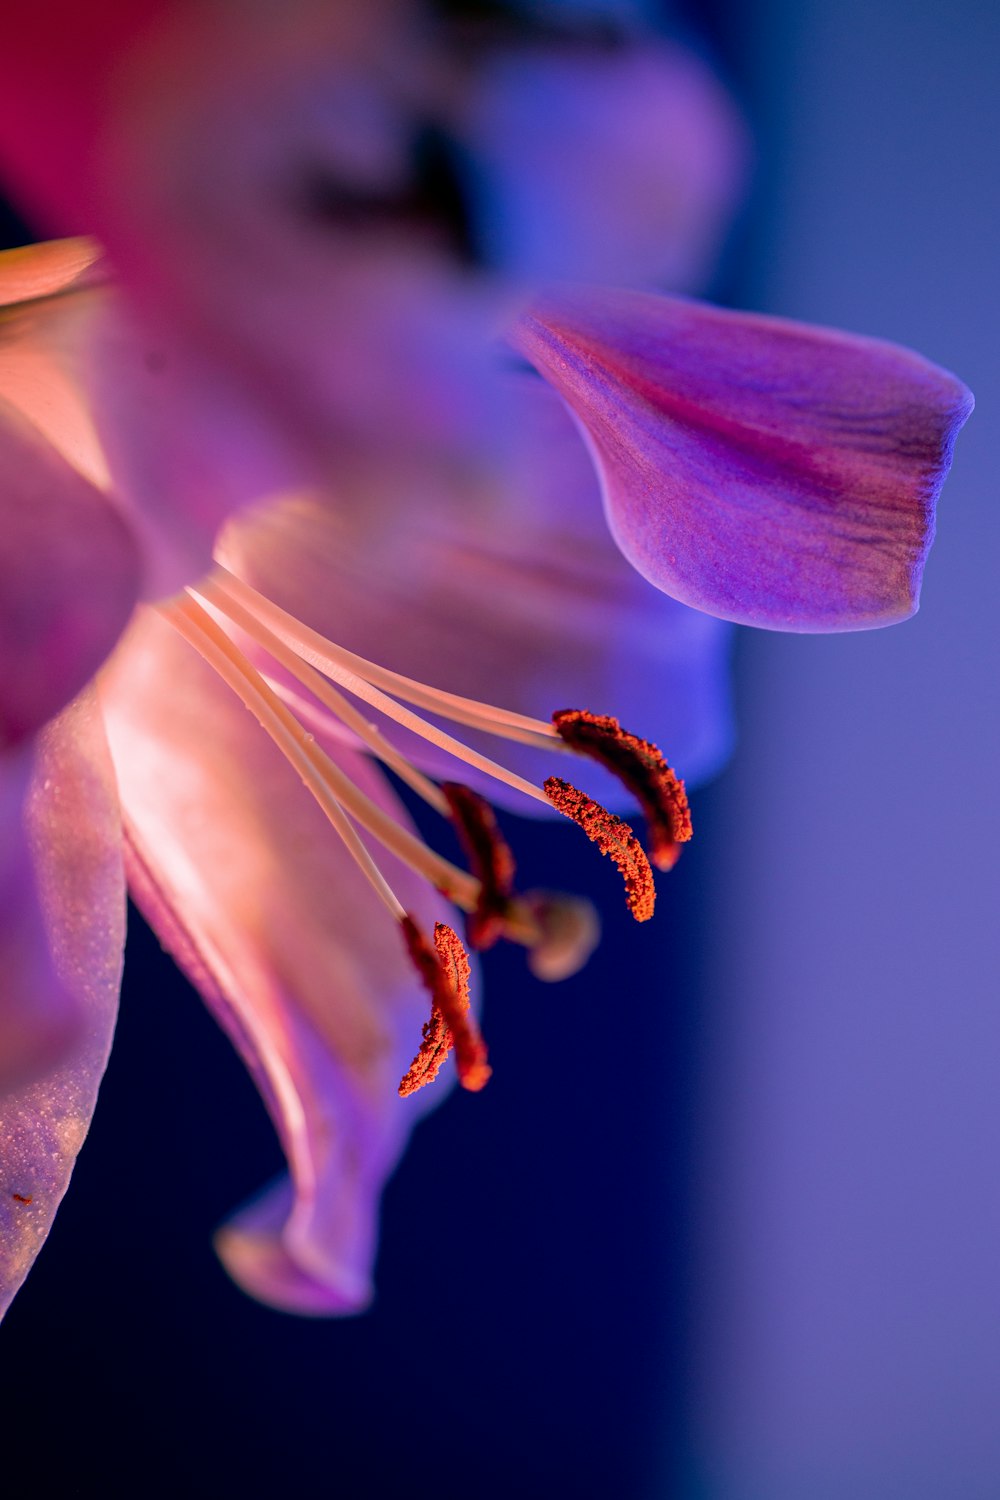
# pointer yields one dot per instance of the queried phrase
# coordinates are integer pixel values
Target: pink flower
(432, 511)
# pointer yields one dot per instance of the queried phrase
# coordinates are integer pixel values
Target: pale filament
(337, 704)
(323, 655)
(332, 788)
(327, 655)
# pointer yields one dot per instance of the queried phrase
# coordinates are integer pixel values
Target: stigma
(222, 614)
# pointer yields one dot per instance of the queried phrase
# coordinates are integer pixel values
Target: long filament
(502, 722)
(339, 706)
(332, 788)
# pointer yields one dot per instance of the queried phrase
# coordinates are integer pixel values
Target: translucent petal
(246, 883)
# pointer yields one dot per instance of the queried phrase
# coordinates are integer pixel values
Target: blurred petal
(764, 471)
(274, 212)
(183, 445)
(58, 67)
(68, 579)
(616, 164)
(510, 592)
(77, 884)
(249, 887)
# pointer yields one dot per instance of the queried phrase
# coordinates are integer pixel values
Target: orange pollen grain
(641, 768)
(611, 836)
(444, 973)
(490, 858)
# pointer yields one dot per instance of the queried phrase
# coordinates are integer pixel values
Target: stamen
(332, 788)
(640, 766)
(444, 972)
(491, 859)
(611, 836)
(221, 587)
(337, 704)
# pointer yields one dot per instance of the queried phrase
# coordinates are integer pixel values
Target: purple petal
(510, 590)
(764, 471)
(74, 890)
(69, 575)
(250, 888)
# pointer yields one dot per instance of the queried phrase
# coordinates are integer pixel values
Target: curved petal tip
(760, 470)
(253, 1246)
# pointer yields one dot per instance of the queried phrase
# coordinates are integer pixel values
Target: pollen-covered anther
(612, 836)
(444, 973)
(490, 858)
(641, 768)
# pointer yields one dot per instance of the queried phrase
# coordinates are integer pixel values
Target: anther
(641, 768)
(490, 857)
(612, 836)
(444, 973)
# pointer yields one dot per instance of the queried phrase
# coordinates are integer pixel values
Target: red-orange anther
(640, 766)
(490, 858)
(444, 973)
(611, 836)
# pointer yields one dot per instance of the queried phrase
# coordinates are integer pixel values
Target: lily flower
(433, 521)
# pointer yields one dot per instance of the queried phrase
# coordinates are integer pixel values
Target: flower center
(559, 931)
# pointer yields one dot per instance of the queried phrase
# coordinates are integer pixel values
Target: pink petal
(620, 165)
(177, 444)
(764, 471)
(58, 67)
(62, 946)
(510, 590)
(247, 884)
(68, 579)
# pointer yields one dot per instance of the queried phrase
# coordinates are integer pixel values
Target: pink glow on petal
(74, 839)
(250, 888)
(32, 271)
(42, 352)
(765, 471)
